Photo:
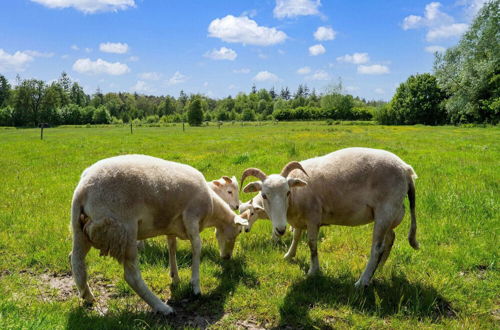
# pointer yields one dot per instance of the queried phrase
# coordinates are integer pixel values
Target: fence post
(131, 131)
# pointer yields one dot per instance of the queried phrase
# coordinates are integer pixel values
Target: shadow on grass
(383, 298)
(191, 311)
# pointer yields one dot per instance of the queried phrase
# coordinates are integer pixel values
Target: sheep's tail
(412, 235)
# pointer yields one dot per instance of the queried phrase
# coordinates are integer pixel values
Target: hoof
(164, 310)
(312, 272)
(361, 284)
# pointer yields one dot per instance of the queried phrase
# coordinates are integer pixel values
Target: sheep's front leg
(378, 247)
(193, 231)
(195, 277)
(134, 279)
(312, 240)
(297, 233)
(81, 247)
(172, 259)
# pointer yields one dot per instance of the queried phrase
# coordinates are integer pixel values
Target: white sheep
(227, 189)
(122, 199)
(349, 187)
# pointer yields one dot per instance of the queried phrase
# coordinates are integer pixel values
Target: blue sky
(221, 47)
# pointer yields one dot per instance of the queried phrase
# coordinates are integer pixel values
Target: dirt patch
(61, 287)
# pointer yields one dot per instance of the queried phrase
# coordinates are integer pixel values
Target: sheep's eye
(229, 192)
(251, 213)
(288, 193)
(264, 196)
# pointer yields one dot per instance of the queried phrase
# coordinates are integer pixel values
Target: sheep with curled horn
(348, 187)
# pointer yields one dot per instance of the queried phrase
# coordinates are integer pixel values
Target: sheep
(125, 198)
(349, 187)
(227, 189)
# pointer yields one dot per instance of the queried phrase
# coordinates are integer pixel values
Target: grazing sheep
(122, 199)
(227, 189)
(349, 187)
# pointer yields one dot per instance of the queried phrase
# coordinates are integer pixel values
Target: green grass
(452, 281)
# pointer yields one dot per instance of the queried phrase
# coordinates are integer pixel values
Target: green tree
(248, 115)
(470, 72)
(195, 113)
(419, 101)
(101, 116)
(4, 91)
(77, 95)
(28, 102)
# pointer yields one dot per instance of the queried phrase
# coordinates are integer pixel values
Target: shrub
(101, 116)
(6, 116)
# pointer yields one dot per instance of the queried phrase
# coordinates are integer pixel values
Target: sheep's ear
(253, 187)
(293, 182)
(258, 208)
(217, 183)
(240, 221)
(227, 179)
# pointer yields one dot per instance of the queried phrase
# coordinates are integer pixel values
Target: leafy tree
(285, 93)
(337, 106)
(419, 101)
(248, 115)
(4, 91)
(101, 116)
(470, 72)
(28, 102)
(6, 116)
(195, 113)
(77, 95)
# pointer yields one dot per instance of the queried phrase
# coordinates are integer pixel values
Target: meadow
(452, 281)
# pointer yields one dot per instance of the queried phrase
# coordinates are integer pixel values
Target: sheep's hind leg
(81, 247)
(134, 279)
(172, 259)
(297, 233)
(382, 225)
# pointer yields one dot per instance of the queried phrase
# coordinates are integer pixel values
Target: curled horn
(252, 172)
(290, 167)
(227, 179)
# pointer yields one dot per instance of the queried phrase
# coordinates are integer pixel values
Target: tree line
(64, 102)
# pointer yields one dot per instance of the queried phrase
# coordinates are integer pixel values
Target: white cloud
(133, 58)
(88, 6)
(324, 33)
(14, 62)
(232, 87)
(439, 25)
(356, 58)
(446, 31)
(222, 54)
(304, 70)
(293, 8)
(113, 47)
(177, 78)
(319, 75)
(262, 56)
(150, 76)
(373, 69)
(242, 70)
(205, 84)
(244, 30)
(265, 76)
(75, 47)
(379, 91)
(434, 49)
(85, 65)
(88, 50)
(141, 87)
(317, 50)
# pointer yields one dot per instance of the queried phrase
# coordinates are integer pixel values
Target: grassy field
(452, 281)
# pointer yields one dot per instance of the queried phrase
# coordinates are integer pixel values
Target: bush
(419, 100)
(248, 115)
(384, 115)
(116, 121)
(70, 114)
(151, 119)
(6, 116)
(101, 116)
